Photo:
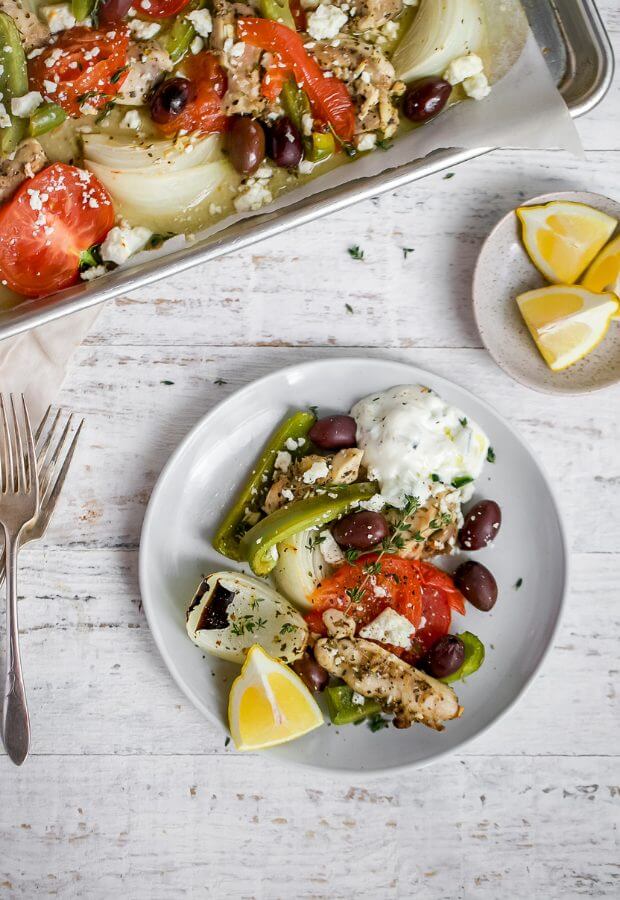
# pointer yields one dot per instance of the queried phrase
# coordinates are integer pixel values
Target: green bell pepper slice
(47, 117)
(259, 543)
(182, 32)
(320, 146)
(253, 492)
(13, 82)
(343, 711)
(474, 657)
(278, 11)
(83, 9)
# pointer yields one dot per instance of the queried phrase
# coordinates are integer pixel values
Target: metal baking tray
(579, 54)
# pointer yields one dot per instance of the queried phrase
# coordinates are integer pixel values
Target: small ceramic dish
(504, 271)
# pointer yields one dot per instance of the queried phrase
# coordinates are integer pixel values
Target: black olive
(170, 98)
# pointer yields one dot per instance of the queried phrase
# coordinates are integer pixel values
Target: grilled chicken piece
(370, 78)
(27, 160)
(148, 62)
(241, 61)
(433, 529)
(343, 468)
(411, 695)
(33, 32)
(371, 14)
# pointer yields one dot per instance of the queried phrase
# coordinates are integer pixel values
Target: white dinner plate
(503, 271)
(200, 480)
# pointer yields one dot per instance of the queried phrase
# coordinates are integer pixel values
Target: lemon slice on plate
(604, 273)
(562, 238)
(269, 704)
(566, 322)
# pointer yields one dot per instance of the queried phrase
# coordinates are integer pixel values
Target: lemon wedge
(562, 238)
(269, 704)
(604, 273)
(566, 322)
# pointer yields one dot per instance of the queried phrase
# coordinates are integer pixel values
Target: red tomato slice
(202, 114)
(397, 585)
(329, 96)
(161, 9)
(436, 616)
(87, 64)
(434, 577)
(51, 219)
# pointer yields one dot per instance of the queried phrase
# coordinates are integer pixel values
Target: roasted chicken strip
(411, 695)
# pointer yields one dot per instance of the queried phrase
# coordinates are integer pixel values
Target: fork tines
(53, 433)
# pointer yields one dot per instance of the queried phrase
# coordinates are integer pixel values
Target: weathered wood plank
(172, 827)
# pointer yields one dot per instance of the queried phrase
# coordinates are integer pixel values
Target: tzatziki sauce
(416, 444)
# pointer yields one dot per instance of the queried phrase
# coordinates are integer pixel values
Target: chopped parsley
(407, 251)
(518, 583)
(377, 722)
(166, 381)
(348, 306)
(463, 422)
(385, 144)
(448, 175)
(220, 381)
(355, 252)
(461, 481)
(491, 455)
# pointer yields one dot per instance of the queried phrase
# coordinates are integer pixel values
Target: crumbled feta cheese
(389, 628)
(25, 105)
(293, 444)
(305, 167)
(253, 197)
(5, 119)
(317, 470)
(59, 16)
(283, 461)
(477, 86)
(307, 123)
(50, 87)
(358, 699)
(143, 31)
(390, 30)
(123, 241)
(367, 142)
(36, 200)
(374, 504)
(288, 495)
(131, 120)
(214, 209)
(463, 67)
(411, 2)
(202, 21)
(325, 22)
(330, 551)
(92, 273)
(196, 45)
(237, 50)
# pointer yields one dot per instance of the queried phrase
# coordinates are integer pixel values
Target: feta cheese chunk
(253, 197)
(131, 120)
(317, 470)
(123, 241)
(330, 551)
(24, 106)
(326, 21)
(367, 142)
(477, 87)
(283, 461)
(59, 16)
(92, 273)
(5, 119)
(143, 31)
(463, 67)
(202, 21)
(389, 628)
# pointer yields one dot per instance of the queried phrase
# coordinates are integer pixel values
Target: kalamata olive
(481, 525)
(313, 675)
(424, 99)
(334, 432)
(446, 656)
(477, 584)
(170, 98)
(361, 530)
(246, 144)
(113, 11)
(284, 144)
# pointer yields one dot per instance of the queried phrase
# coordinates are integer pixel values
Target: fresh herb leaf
(377, 722)
(220, 381)
(114, 78)
(448, 175)
(355, 252)
(90, 258)
(165, 381)
(227, 742)
(105, 111)
(435, 477)
(463, 422)
(461, 481)
(491, 455)
(156, 240)
(288, 628)
(385, 144)
(407, 251)
(348, 306)
(518, 583)
(314, 410)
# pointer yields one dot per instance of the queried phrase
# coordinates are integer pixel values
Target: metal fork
(19, 504)
(49, 461)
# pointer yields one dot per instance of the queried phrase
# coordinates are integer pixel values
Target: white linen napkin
(35, 363)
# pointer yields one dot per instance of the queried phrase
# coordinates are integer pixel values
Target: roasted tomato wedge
(329, 96)
(203, 112)
(87, 64)
(364, 592)
(51, 219)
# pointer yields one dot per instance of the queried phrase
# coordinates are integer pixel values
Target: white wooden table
(128, 791)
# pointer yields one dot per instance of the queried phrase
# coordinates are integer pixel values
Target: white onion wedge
(300, 568)
(164, 195)
(440, 31)
(172, 156)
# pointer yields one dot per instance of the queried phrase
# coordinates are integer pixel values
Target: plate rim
(534, 201)
(270, 755)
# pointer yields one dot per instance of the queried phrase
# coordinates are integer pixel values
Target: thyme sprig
(395, 541)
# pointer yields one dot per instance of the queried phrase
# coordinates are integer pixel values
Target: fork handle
(15, 721)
